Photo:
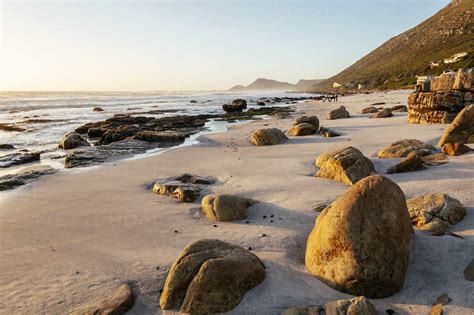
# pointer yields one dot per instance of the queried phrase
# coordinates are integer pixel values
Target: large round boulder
(461, 129)
(72, 140)
(360, 244)
(268, 136)
(226, 207)
(347, 165)
(211, 276)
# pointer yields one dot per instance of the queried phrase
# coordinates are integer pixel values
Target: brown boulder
(72, 140)
(360, 244)
(303, 129)
(268, 136)
(399, 108)
(370, 110)
(455, 148)
(435, 212)
(338, 113)
(226, 207)
(211, 276)
(409, 164)
(120, 303)
(313, 120)
(384, 113)
(403, 147)
(347, 165)
(461, 129)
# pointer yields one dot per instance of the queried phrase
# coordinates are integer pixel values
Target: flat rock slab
(211, 276)
(435, 212)
(403, 147)
(347, 165)
(18, 159)
(184, 187)
(14, 180)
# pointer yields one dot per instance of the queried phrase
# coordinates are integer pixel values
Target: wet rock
(226, 207)
(160, 136)
(6, 147)
(269, 136)
(72, 140)
(12, 181)
(312, 120)
(409, 164)
(469, 271)
(261, 103)
(369, 220)
(461, 129)
(302, 129)
(211, 276)
(193, 101)
(454, 149)
(435, 212)
(11, 127)
(98, 109)
(120, 303)
(347, 165)
(339, 113)
(95, 132)
(370, 110)
(18, 159)
(237, 105)
(384, 113)
(356, 306)
(403, 147)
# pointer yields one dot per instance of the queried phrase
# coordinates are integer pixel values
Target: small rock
(120, 303)
(400, 108)
(409, 164)
(72, 140)
(6, 147)
(469, 271)
(359, 305)
(384, 113)
(98, 109)
(339, 113)
(226, 207)
(454, 149)
(369, 110)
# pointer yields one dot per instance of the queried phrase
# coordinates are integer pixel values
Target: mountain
(396, 62)
(262, 84)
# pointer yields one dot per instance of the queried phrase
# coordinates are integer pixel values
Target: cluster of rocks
(185, 187)
(373, 110)
(449, 93)
(358, 305)
(308, 125)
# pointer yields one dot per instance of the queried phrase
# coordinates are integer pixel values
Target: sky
(190, 45)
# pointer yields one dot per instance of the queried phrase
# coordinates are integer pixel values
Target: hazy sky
(183, 45)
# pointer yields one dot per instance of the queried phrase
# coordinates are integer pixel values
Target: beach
(71, 238)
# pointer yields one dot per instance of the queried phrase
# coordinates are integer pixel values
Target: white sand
(69, 239)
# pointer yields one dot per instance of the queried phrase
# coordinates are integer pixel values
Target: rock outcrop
(347, 165)
(461, 129)
(403, 147)
(384, 113)
(72, 140)
(360, 243)
(450, 93)
(268, 136)
(11, 181)
(435, 212)
(210, 276)
(226, 207)
(339, 113)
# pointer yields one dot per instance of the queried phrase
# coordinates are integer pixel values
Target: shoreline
(70, 238)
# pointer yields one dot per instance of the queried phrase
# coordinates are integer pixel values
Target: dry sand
(69, 239)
